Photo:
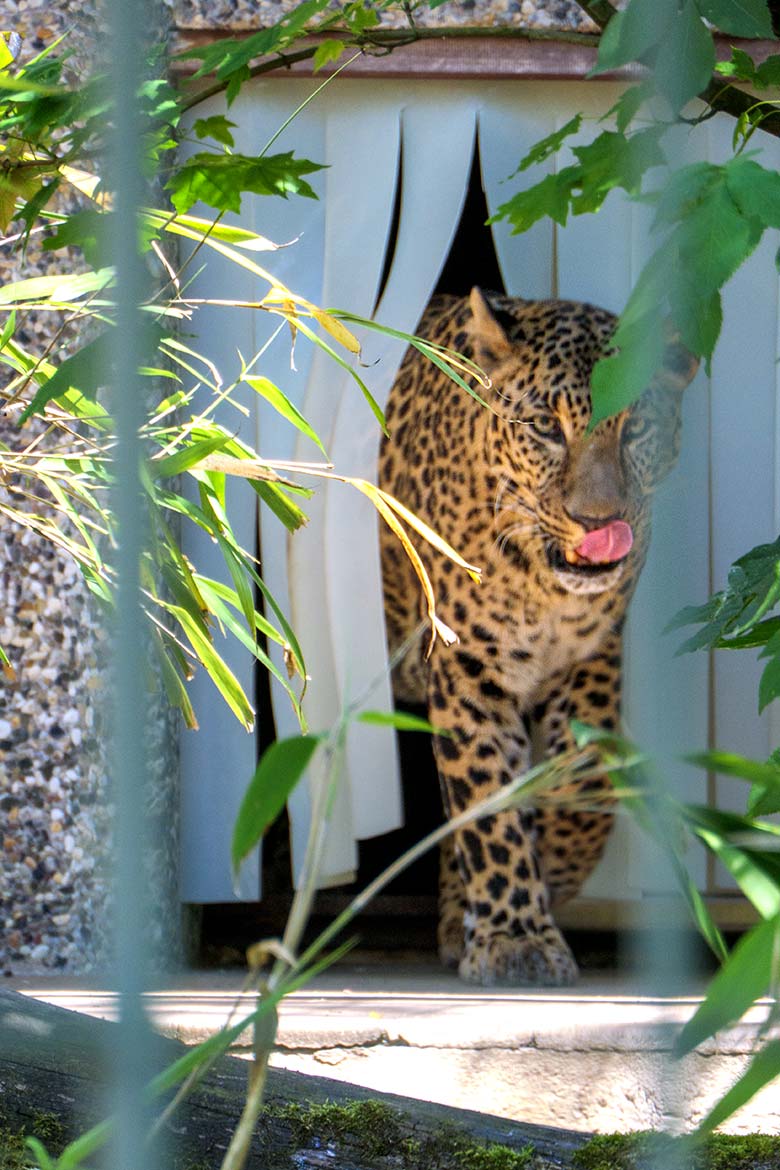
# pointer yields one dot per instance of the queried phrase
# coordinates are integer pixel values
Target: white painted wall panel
(667, 697)
(743, 455)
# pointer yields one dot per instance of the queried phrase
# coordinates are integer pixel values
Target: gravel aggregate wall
(245, 14)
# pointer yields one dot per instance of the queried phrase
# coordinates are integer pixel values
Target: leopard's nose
(596, 518)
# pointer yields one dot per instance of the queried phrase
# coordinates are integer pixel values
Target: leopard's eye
(547, 427)
(634, 427)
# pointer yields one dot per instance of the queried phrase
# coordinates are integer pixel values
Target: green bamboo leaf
(216, 595)
(8, 329)
(731, 764)
(41, 1155)
(401, 720)
(761, 1071)
(84, 1146)
(292, 644)
(218, 589)
(175, 689)
(187, 456)
(237, 567)
(281, 767)
(62, 286)
(281, 505)
(742, 979)
(194, 227)
(749, 849)
(317, 340)
(181, 591)
(281, 403)
(217, 669)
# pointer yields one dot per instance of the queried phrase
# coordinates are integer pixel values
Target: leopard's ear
(679, 364)
(491, 344)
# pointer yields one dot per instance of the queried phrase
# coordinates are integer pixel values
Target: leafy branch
(720, 96)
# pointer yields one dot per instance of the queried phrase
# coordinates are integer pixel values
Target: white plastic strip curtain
(219, 759)
(327, 577)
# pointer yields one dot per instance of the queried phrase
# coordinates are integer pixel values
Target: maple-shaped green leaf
(755, 190)
(549, 197)
(768, 73)
(359, 16)
(628, 105)
(219, 180)
(234, 55)
(217, 127)
(715, 238)
(618, 380)
(630, 34)
(86, 371)
(88, 230)
(698, 318)
(542, 149)
(740, 18)
(741, 66)
(615, 160)
(327, 51)
(684, 188)
(685, 59)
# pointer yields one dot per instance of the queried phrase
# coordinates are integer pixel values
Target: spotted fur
(515, 488)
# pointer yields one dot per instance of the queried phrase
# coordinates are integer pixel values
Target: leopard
(556, 513)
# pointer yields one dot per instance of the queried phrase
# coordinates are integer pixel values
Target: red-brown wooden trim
(487, 57)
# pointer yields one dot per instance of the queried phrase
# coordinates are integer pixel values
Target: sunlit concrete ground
(595, 1058)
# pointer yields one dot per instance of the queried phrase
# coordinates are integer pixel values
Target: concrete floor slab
(597, 1057)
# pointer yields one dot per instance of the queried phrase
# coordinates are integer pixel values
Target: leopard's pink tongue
(607, 544)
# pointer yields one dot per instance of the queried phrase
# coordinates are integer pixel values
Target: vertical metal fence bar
(129, 24)
(666, 954)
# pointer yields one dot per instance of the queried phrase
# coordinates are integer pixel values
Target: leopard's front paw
(450, 940)
(540, 960)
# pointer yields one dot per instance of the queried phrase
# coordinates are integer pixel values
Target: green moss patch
(648, 1151)
(14, 1152)
(376, 1131)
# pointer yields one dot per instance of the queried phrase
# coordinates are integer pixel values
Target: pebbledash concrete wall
(565, 15)
(55, 825)
(55, 820)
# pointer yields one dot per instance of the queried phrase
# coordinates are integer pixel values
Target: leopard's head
(576, 503)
